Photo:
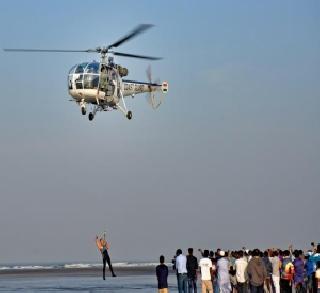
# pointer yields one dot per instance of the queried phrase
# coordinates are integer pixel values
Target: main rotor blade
(138, 30)
(136, 56)
(50, 51)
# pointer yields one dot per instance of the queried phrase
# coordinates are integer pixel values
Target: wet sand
(69, 280)
(76, 272)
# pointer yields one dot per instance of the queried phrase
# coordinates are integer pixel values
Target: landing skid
(123, 107)
(101, 107)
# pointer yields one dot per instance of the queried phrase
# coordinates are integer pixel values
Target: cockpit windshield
(84, 76)
(80, 68)
(92, 68)
(72, 69)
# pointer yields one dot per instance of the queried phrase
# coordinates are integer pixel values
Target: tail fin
(165, 87)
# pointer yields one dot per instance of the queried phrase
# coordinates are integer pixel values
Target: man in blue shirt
(315, 258)
(309, 267)
(162, 276)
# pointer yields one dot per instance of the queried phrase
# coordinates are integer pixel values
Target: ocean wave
(134, 265)
(81, 266)
(26, 267)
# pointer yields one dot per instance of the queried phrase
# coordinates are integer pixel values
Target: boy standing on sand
(162, 276)
(205, 265)
(181, 263)
(192, 266)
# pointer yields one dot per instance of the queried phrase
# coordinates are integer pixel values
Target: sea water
(82, 277)
(135, 283)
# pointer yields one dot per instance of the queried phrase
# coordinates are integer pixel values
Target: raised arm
(291, 250)
(98, 243)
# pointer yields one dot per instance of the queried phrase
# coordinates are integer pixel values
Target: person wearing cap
(205, 265)
(223, 273)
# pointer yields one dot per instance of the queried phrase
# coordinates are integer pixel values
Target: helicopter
(102, 85)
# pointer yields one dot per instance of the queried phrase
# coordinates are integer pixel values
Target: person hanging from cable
(103, 247)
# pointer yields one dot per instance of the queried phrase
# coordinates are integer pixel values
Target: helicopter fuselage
(89, 83)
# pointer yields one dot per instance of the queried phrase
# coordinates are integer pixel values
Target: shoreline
(76, 272)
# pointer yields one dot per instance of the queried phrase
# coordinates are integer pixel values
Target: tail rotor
(154, 100)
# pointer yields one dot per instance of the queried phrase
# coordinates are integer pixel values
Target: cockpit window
(80, 68)
(72, 69)
(93, 68)
(91, 81)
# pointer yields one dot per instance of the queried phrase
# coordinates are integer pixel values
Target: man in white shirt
(205, 266)
(276, 264)
(181, 265)
(241, 273)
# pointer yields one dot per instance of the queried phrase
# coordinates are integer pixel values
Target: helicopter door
(73, 81)
(103, 83)
(112, 82)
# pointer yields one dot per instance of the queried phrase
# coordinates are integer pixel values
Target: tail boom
(132, 87)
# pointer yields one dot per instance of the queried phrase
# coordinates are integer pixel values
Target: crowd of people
(244, 271)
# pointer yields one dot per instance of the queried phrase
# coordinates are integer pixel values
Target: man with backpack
(287, 273)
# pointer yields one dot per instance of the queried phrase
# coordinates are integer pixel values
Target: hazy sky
(230, 159)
